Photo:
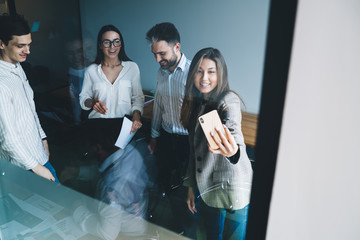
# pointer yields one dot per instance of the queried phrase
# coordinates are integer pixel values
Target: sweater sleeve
(232, 120)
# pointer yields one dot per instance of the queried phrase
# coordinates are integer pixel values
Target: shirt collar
(9, 66)
(182, 62)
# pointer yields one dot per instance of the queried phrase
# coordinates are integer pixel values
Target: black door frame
(277, 61)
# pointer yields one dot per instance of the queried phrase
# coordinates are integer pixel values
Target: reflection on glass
(4, 8)
(77, 67)
(34, 208)
(62, 49)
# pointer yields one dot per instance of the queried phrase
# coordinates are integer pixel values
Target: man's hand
(152, 145)
(43, 172)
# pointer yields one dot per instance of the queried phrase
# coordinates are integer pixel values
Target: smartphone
(209, 122)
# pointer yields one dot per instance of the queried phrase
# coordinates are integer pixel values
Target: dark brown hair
(99, 53)
(193, 97)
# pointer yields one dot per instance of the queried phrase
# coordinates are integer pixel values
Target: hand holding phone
(209, 122)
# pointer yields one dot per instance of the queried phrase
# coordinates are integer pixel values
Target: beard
(169, 63)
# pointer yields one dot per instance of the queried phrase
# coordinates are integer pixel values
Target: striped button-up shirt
(170, 91)
(20, 131)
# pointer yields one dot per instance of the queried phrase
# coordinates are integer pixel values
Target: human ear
(177, 47)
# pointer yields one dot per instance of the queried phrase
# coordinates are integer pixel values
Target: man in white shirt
(22, 140)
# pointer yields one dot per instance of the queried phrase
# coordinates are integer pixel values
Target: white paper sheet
(125, 136)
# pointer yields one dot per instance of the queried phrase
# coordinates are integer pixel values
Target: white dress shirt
(122, 97)
(20, 130)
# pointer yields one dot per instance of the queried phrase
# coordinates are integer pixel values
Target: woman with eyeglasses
(218, 178)
(112, 87)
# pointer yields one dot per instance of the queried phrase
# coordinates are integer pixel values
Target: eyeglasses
(107, 43)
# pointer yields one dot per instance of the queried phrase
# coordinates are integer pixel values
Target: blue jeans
(52, 170)
(214, 219)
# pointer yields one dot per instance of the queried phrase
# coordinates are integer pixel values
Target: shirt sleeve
(10, 137)
(41, 131)
(137, 97)
(156, 116)
(29, 90)
(86, 91)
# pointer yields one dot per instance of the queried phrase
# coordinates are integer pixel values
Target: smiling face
(206, 78)
(75, 54)
(17, 49)
(110, 52)
(166, 54)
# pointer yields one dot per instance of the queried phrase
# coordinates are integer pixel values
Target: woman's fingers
(226, 143)
(230, 137)
(191, 201)
(191, 209)
(100, 107)
(221, 141)
(135, 126)
(224, 140)
(103, 108)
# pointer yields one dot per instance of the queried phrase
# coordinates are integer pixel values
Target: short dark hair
(163, 32)
(99, 53)
(12, 26)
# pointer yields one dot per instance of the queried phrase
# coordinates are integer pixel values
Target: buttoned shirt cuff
(155, 133)
(82, 103)
(31, 164)
(42, 133)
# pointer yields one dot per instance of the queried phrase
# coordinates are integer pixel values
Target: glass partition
(34, 208)
(4, 8)
(63, 46)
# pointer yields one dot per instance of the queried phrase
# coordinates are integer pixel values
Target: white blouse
(122, 97)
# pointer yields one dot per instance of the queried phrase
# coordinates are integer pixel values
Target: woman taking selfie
(220, 178)
(112, 87)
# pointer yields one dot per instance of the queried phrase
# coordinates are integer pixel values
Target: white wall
(235, 27)
(316, 189)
